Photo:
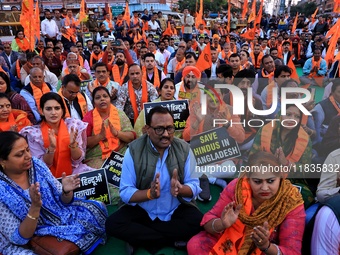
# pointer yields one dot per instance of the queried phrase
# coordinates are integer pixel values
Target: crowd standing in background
(80, 94)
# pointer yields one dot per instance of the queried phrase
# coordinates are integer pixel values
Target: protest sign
(93, 186)
(179, 108)
(213, 146)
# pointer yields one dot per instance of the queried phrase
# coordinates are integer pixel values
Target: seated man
(158, 210)
(314, 69)
(34, 90)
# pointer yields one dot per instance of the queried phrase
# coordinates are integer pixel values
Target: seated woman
(167, 90)
(259, 213)
(59, 142)
(109, 129)
(11, 119)
(20, 42)
(34, 203)
(17, 100)
(288, 141)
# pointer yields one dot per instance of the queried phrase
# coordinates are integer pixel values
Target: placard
(93, 186)
(214, 146)
(179, 108)
(113, 168)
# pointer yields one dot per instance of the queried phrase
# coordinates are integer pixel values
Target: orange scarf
(70, 32)
(111, 143)
(18, 68)
(95, 57)
(137, 37)
(270, 76)
(119, 23)
(236, 239)
(331, 98)
(16, 117)
(135, 21)
(156, 80)
(96, 83)
(300, 144)
(38, 93)
(23, 44)
(179, 64)
(133, 98)
(81, 100)
(116, 74)
(256, 59)
(109, 23)
(225, 55)
(315, 64)
(81, 60)
(62, 155)
(173, 31)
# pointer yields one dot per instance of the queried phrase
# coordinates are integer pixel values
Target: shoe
(220, 182)
(181, 245)
(129, 249)
(204, 196)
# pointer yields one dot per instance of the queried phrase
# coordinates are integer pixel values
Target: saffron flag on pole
(199, 17)
(332, 46)
(37, 21)
(259, 15)
(245, 9)
(295, 23)
(204, 61)
(314, 14)
(253, 12)
(336, 6)
(127, 14)
(249, 34)
(229, 17)
(82, 13)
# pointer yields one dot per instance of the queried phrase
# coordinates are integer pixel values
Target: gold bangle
(148, 194)
(73, 147)
(31, 217)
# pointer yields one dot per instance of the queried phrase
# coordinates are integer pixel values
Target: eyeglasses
(161, 130)
(181, 46)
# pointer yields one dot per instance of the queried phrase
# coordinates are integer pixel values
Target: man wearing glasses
(157, 189)
(77, 103)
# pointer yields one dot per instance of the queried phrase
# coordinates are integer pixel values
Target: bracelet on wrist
(265, 250)
(148, 194)
(64, 192)
(213, 226)
(31, 217)
(50, 151)
(73, 146)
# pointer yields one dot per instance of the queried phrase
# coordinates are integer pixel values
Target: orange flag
(295, 23)
(336, 6)
(249, 34)
(332, 46)
(294, 74)
(37, 20)
(199, 17)
(204, 61)
(259, 16)
(167, 30)
(314, 14)
(333, 29)
(229, 17)
(245, 9)
(82, 13)
(253, 12)
(127, 14)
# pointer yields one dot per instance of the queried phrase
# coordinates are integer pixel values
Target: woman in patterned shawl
(33, 202)
(258, 213)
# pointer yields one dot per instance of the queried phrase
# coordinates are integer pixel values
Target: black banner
(179, 108)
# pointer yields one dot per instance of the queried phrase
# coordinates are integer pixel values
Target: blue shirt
(166, 204)
(308, 67)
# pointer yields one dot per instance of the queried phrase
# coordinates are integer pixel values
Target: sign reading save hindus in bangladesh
(214, 146)
(179, 108)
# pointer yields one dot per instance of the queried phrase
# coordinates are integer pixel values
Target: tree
(306, 8)
(212, 6)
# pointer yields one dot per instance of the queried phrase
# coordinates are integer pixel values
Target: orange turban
(189, 69)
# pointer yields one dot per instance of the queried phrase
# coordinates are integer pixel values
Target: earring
(3, 166)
